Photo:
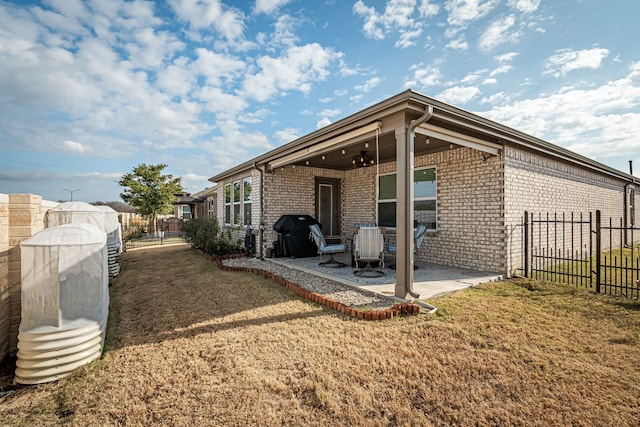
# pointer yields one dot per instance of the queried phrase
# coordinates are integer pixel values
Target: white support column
(404, 213)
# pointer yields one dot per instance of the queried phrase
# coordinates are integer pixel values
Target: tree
(151, 192)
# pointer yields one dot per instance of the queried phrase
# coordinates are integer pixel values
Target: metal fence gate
(582, 251)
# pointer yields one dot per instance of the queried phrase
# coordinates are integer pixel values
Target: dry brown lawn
(189, 344)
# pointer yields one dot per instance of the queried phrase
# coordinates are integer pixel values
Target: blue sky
(92, 88)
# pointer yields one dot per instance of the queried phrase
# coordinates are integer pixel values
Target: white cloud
(526, 6)
(74, 147)
(473, 76)
(566, 60)
(407, 38)
(598, 122)
(204, 14)
(286, 135)
(496, 98)
(423, 76)
(325, 121)
(462, 12)
(328, 112)
(458, 94)
(428, 9)
(498, 33)
(368, 85)
(269, 6)
(458, 44)
(397, 16)
(297, 69)
(490, 81)
(506, 57)
(284, 32)
(502, 69)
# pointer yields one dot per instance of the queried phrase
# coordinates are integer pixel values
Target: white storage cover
(111, 226)
(64, 276)
(75, 212)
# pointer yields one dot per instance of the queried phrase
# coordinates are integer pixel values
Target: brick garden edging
(389, 313)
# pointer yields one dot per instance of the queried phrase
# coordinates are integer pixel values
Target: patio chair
(368, 247)
(326, 249)
(418, 237)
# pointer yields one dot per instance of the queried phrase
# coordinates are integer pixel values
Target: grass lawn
(189, 344)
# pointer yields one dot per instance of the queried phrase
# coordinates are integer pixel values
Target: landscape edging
(389, 313)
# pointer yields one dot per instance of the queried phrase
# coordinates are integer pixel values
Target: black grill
(293, 236)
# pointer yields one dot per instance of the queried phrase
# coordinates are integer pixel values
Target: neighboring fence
(580, 250)
(143, 234)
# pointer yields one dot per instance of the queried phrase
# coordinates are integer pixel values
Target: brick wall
(21, 216)
(4, 275)
(538, 184)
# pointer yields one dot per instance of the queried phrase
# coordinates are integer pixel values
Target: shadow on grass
(174, 292)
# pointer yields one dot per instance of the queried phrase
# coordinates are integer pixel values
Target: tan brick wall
(21, 216)
(538, 184)
(4, 276)
(291, 190)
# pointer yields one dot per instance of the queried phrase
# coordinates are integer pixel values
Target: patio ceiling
(429, 138)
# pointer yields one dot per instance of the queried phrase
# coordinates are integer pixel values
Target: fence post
(598, 250)
(526, 244)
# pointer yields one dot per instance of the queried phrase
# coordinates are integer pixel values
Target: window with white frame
(246, 198)
(227, 204)
(236, 202)
(186, 212)
(424, 198)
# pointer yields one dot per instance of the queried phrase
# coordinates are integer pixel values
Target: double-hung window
(424, 198)
(236, 202)
(186, 212)
(227, 204)
(246, 198)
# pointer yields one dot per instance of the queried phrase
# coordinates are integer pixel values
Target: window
(186, 212)
(424, 195)
(247, 201)
(236, 202)
(227, 204)
(211, 208)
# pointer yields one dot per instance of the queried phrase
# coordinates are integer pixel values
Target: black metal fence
(165, 231)
(582, 251)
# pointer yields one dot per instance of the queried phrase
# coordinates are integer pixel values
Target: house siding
(469, 207)
(539, 184)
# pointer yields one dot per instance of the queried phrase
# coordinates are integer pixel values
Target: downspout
(261, 226)
(411, 139)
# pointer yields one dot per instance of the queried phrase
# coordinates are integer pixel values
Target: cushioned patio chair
(418, 236)
(368, 247)
(326, 249)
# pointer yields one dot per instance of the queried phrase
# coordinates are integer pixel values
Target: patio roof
(448, 125)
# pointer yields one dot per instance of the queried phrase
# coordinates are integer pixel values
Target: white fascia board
(325, 146)
(457, 138)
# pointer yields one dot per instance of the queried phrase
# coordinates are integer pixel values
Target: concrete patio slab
(430, 280)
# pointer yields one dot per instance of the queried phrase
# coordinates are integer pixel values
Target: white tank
(75, 212)
(65, 301)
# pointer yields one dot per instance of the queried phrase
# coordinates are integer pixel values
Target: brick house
(470, 179)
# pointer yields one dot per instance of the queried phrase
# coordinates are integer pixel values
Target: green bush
(205, 234)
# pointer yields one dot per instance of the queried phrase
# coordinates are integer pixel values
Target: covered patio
(430, 280)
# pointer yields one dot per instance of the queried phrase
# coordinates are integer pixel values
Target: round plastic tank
(65, 301)
(75, 212)
(114, 238)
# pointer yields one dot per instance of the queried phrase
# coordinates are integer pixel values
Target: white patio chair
(326, 249)
(368, 247)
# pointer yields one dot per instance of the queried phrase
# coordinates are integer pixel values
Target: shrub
(205, 234)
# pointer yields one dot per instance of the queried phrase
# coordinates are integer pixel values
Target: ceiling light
(343, 151)
(323, 157)
(363, 160)
(366, 145)
(428, 141)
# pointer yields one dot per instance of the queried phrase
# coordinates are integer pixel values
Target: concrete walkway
(430, 280)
